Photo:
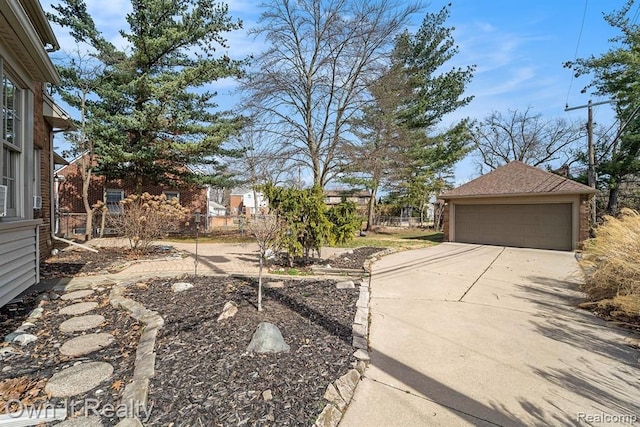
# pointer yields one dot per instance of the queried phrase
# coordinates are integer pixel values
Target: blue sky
(518, 48)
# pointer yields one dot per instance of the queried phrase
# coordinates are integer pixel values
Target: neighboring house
(360, 198)
(71, 207)
(28, 120)
(519, 205)
(244, 202)
(216, 209)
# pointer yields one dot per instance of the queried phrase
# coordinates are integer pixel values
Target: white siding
(18, 260)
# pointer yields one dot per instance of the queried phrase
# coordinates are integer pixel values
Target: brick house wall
(42, 141)
(72, 207)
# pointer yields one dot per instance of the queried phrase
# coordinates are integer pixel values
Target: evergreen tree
(151, 114)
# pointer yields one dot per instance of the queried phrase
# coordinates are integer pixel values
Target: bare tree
(532, 139)
(313, 77)
(268, 231)
(79, 79)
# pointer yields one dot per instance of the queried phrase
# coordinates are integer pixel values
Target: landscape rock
(229, 310)
(79, 308)
(332, 396)
(278, 284)
(26, 326)
(329, 417)
(10, 337)
(347, 284)
(24, 339)
(267, 339)
(361, 354)
(78, 379)
(267, 395)
(181, 286)
(36, 313)
(53, 296)
(86, 344)
(346, 384)
(8, 351)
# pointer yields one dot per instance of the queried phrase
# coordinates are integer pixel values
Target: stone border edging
(340, 392)
(136, 392)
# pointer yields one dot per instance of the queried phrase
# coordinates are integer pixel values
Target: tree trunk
(372, 208)
(88, 232)
(612, 204)
(260, 281)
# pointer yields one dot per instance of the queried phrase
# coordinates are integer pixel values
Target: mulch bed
(24, 376)
(352, 260)
(204, 376)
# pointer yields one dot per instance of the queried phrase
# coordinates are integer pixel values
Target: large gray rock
(24, 339)
(267, 339)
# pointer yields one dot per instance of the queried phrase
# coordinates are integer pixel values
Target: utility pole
(591, 171)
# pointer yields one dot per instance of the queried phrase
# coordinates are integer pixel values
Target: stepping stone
(78, 379)
(81, 323)
(77, 294)
(79, 308)
(86, 344)
(90, 421)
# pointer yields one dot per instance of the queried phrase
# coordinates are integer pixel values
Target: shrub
(345, 221)
(146, 218)
(611, 258)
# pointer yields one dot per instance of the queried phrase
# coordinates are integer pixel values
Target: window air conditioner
(37, 202)
(3, 200)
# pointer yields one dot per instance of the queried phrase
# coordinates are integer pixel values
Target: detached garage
(519, 205)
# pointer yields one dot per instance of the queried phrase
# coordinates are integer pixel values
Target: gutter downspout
(52, 207)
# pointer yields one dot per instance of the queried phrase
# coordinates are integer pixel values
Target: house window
(11, 140)
(172, 195)
(112, 198)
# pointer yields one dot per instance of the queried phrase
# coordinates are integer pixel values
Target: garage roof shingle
(517, 179)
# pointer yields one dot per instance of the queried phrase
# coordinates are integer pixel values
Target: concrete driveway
(481, 335)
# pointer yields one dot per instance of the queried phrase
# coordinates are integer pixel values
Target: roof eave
(485, 196)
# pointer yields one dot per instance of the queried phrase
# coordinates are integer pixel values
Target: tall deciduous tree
(519, 135)
(616, 74)
(79, 76)
(409, 101)
(313, 77)
(152, 113)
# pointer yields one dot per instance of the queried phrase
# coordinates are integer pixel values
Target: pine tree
(151, 114)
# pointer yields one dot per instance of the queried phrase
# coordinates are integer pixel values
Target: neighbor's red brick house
(519, 205)
(72, 220)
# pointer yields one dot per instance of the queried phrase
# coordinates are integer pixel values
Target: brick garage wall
(583, 218)
(41, 140)
(446, 221)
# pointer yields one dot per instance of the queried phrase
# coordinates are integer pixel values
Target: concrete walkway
(213, 259)
(479, 335)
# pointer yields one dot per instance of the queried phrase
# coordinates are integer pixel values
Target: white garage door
(542, 226)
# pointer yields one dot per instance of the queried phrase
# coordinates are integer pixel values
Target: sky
(518, 49)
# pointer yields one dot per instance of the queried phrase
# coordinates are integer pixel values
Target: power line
(575, 55)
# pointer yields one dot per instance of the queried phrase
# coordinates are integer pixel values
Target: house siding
(18, 259)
